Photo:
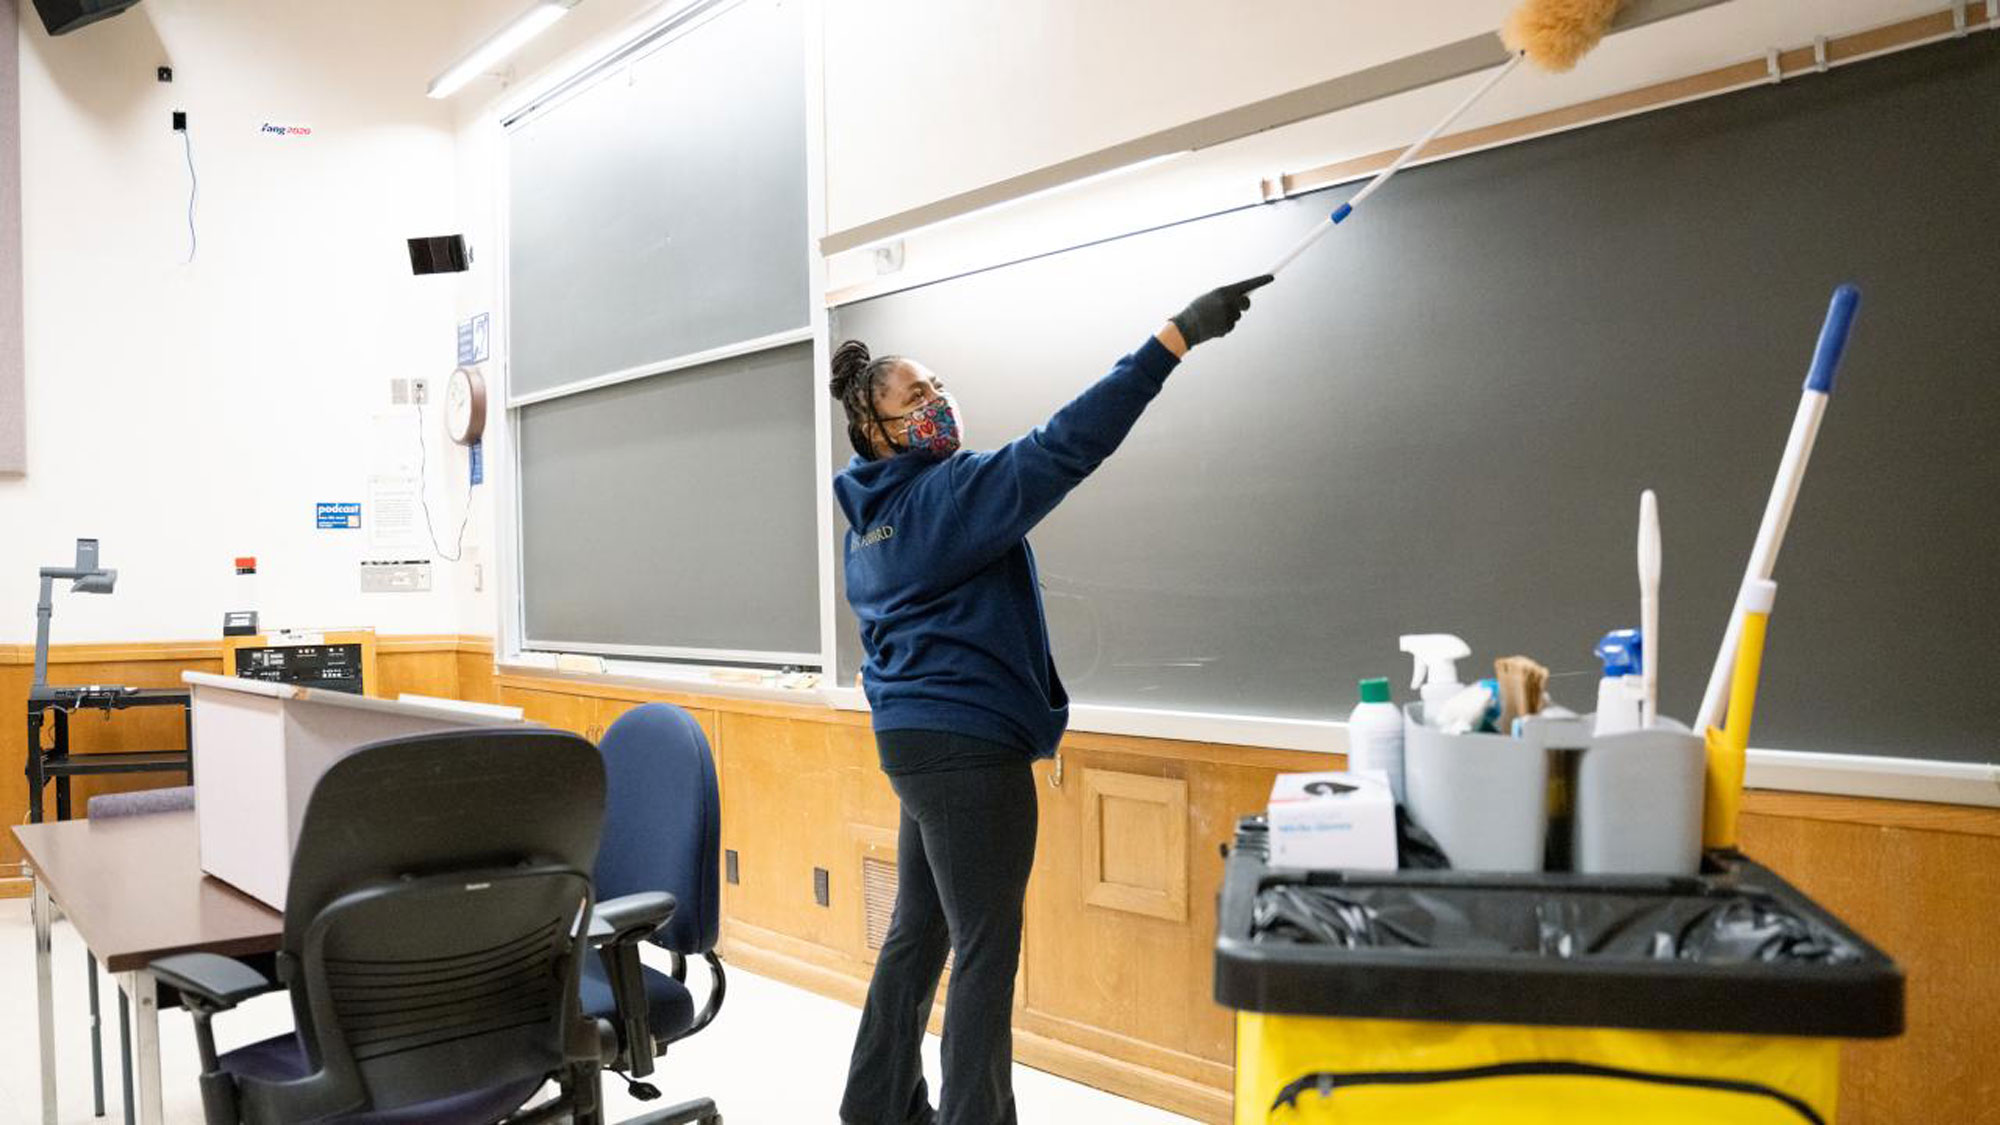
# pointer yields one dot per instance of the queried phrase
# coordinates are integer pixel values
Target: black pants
(963, 854)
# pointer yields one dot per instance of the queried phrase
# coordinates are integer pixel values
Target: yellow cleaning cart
(1490, 999)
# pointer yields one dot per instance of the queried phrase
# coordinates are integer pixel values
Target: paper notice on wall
(394, 504)
(397, 512)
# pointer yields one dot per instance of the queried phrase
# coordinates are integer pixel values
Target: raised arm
(1003, 494)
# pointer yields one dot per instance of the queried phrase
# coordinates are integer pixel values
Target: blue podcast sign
(328, 516)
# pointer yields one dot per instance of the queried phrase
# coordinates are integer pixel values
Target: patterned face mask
(932, 428)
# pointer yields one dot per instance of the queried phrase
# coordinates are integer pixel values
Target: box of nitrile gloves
(1334, 820)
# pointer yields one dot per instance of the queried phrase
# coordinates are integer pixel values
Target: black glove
(1215, 312)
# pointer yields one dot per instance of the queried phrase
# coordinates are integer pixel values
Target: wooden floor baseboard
(1053, 1056)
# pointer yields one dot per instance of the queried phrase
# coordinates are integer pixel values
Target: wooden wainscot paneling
(154, 664)
(1135, 843)
(876, 878)
(1116, 984)
(475, 670)
(555, 708)
(1931, 900)
(794, 789)
(1115, 987)
(417, 665)
(421, 665)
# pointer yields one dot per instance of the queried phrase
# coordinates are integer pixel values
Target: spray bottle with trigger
(1621, 694)
(1436, 676)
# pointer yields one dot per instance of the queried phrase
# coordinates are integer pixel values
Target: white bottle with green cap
(1375, 734)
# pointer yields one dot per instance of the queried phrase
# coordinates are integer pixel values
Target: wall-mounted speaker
(444, 253)
(64, 16)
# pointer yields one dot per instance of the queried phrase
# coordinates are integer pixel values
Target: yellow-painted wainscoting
(425, 665)
(1115, 977)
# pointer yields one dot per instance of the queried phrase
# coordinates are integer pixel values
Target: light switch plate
(391, 577)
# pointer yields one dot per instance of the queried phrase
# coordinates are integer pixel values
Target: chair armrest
(630, 918)
(616, 929)
(218, 983)
(210, 983)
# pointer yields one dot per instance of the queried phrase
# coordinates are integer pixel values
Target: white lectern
(260, 747)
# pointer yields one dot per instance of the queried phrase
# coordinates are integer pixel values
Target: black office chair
(662, 833)
(435, 932)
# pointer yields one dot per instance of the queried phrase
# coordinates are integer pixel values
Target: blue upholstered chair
(662, 833)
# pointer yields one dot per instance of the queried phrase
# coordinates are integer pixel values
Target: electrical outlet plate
(420, 392)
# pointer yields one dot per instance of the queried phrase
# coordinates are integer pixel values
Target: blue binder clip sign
(336, 517)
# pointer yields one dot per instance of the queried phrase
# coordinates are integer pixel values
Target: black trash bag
(1737, 928)
(1308, 915)
(1416, 849)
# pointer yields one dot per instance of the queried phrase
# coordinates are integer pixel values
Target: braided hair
(855, 378)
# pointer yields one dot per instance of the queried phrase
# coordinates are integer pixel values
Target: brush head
(1554, 34)
(1649, 540)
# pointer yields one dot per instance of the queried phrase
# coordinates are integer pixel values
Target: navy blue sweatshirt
(940, 574)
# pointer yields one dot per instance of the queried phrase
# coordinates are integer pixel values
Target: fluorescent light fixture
(503, 44)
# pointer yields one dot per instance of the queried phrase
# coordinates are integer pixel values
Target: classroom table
(134, 889)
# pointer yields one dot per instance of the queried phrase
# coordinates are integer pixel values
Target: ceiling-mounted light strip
(666, 21)
(503, 44)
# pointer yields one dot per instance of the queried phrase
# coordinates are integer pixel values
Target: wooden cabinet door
(1120, 932)
(575, 713)
(608, 711)
(604, 712)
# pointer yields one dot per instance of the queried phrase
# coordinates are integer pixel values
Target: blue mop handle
(1833, 339)
(1813, 402)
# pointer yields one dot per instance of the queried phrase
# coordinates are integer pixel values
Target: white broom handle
(1764, 556)
(1649, 606)
(1382, 177)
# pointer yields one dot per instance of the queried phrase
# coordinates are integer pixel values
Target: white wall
(188, 413)
(12, 435)
(926, 100)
